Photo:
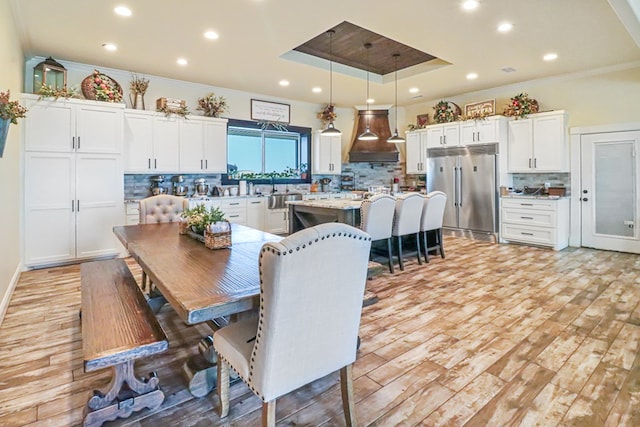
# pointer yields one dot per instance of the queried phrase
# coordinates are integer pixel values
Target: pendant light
(367, 135)
(331, 130)
(395, 138)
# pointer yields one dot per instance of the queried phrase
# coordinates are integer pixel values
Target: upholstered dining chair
(311, 289)
(432, 217)
(162, 208)
(157, 209)
(376, 218)
(407, 221)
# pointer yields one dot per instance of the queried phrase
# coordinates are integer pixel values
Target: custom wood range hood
(377, 150)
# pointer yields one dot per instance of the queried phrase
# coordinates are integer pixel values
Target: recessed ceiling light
(505, 27)
(284, 83)
(470, 4)
(414, 90)
(550, 56)
(472, 76)
(182, 61)
(211, 35)
(316, 89)
(122, 11)
(110, 46)
(370, 101)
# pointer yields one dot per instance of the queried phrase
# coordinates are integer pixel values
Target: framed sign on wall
(480, 109)
(270, 111)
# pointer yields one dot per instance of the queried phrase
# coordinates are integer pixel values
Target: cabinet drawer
(132, 208)
(534, 235)
(236, 215)
(132, 220)
(529, 217)
(545, 204)
(233, 203)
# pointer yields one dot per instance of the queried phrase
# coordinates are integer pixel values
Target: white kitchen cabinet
(166, 144)
(327, 154)
(538, 143)
(443, 135)
(73, 180)
(416, 152)
(256, 212)
(542, 222)
(203, 145)
(482, 131)
(67, 126)
(235, 210)
(277, 221)
(72, 202)
(151, 142)
(132, 212)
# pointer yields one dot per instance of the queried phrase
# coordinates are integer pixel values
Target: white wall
(11, 58)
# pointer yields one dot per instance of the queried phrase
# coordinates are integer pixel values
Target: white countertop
(530, 196)
(343, 204)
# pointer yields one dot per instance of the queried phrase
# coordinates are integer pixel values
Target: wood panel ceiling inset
(348, 49)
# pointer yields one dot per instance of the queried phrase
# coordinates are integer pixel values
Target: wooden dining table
(200, 284)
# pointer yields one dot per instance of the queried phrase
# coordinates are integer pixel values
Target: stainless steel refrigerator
(468, 176)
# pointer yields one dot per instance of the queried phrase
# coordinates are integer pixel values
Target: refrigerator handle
(454, 199)
(460, 186)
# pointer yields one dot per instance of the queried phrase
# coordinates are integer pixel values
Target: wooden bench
(118, 326)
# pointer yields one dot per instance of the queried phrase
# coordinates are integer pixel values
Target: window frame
(304, 132)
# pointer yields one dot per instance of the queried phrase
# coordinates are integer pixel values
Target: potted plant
(198, 218)
(10, 112)
(304, 172)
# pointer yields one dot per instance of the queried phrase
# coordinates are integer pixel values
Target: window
(266, 155)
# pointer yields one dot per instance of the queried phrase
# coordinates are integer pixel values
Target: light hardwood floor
(495, 335)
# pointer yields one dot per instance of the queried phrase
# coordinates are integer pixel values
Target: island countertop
(342, 204)
(308, 213)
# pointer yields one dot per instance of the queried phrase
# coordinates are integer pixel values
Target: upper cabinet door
(166, 136)
(138, 137)
(49, 126)
(549, 143)
(520, 145)
(451, 132)
(435, 136)
(413, 152)
(191, 146)
(99, 129)
(487, 131)
(215, 145)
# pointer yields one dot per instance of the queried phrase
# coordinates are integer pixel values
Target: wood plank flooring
(493, 335)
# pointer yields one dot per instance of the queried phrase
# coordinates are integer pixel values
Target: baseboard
(6, 298)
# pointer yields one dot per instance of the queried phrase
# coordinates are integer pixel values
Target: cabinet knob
(585, 199)
(585, 191)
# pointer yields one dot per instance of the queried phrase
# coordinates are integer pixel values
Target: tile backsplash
(520, 180)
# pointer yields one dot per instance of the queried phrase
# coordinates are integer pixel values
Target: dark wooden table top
(200, 284)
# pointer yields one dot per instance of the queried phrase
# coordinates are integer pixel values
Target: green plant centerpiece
(520, 106)
(199, 218)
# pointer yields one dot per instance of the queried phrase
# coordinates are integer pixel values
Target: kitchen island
(307, 213)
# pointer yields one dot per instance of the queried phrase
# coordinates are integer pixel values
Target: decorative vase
(137, 101)
(4, 130)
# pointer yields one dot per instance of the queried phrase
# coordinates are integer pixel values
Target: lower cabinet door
(276, 221)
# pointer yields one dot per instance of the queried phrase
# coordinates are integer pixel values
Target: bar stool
(376, 218)
(407, 221)
(432, 217)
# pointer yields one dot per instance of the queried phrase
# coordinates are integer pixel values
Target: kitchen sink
(277, 200)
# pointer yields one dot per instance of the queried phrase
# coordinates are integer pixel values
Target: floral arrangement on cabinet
(327, 114)
(444, 112)
(47, 91)
(520, 106)
(105, 88)
(138, 87)
(212, 105)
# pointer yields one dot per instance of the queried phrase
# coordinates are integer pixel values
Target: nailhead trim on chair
(261, 317)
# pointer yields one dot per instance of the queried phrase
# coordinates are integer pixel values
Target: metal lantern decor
(50, 73)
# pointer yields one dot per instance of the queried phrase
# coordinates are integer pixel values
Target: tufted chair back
(311, 289)
(162, 208)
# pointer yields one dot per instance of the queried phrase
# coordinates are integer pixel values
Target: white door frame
(575, 233)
